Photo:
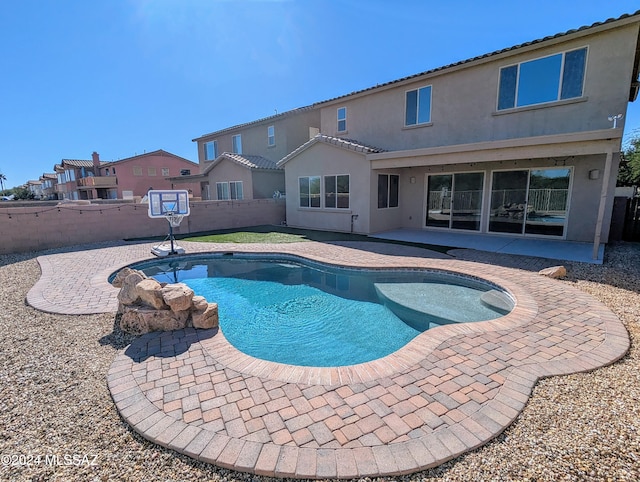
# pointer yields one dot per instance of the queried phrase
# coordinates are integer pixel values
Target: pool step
(411, 303)
(426, 305)
(498, 301)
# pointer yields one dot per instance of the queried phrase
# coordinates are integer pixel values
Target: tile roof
(77, 163)
(485, 56)
(257, 121)
(245, 160)
(349, 144)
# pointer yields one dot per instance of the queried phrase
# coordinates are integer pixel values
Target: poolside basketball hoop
(173, 206)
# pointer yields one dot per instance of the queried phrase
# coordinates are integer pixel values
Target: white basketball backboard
(164, 203)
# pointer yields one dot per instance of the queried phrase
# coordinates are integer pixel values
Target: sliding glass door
(530, 201)
(454, 201)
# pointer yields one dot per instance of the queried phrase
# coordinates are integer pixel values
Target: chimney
(96, 163)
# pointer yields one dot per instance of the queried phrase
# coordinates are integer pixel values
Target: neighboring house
(124, 179)
(136, 175)
(49, 181)
(236, 176)
(250, 151)
(35, 188)
(521, 142)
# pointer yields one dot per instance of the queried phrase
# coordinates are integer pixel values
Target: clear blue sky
(122, 77)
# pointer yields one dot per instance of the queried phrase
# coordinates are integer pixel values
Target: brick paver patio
(448, 391)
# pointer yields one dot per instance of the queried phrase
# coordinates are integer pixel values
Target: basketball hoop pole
(173, 251)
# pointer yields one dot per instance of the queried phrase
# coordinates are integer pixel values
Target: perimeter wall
(36, 226)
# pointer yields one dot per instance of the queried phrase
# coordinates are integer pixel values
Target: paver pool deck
(450, 390)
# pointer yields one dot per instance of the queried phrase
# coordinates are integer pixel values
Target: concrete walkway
(450, 390)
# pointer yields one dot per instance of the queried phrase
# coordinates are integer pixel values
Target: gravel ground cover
(58, 422)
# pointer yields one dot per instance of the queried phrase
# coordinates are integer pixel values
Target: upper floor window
(271, 136)
(106, 171)
(113, 171)
(342, 119)
(151, 171)
(165, 171)
(547, 79)
(418, 106)
(210, 150)
(237, 144)
(137, 171)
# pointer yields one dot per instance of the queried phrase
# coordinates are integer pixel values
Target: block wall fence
(37, 227)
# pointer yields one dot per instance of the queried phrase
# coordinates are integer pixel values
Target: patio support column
(603, 201)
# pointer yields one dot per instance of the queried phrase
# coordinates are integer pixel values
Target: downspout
(603, 201)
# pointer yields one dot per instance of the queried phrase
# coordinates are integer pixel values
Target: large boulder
(139, 319)
(150, 293)
(128, 293)
(131, 322)
(121, 275)
(207, 318)
(178, 296)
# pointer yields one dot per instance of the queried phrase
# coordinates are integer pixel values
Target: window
(114, 171)
(388, 185)
(237, 144)
(309, 191)
(165, 171)
(106, 171)
(229, 190)
(151, 171)
(418, 106)
(210, 150)
(271, 136)
(336, 192)
(547, 79)
(342, 119)
(137, 171)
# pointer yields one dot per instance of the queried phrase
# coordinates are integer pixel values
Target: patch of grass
(284, 234)
(248, 237)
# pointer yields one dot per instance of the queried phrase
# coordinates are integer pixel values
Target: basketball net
(174, 219)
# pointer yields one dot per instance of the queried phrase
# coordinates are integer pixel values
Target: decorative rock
(147, 305)
(150, 293)
(178, 296)
(121, 275)
(207, 318)
(199, 303)
(128, 293)
(132, 323)
(554, 272)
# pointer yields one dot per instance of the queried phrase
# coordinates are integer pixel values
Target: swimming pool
(291, 310)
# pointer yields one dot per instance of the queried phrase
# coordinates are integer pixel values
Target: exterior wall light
(594, 174)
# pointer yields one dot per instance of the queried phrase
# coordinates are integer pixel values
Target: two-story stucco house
(522, 142)
(123, 179)
(239, 162)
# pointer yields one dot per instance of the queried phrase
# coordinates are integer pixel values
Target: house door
(530, 201)
(454, 201)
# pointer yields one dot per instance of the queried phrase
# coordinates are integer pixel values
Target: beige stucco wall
(226, 171)
(320, 160)
(464, 99)
(77, 224)
(266, 182)
(583, 202)
(291, 131)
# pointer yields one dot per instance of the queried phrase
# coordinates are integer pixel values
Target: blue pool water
(287, 310)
